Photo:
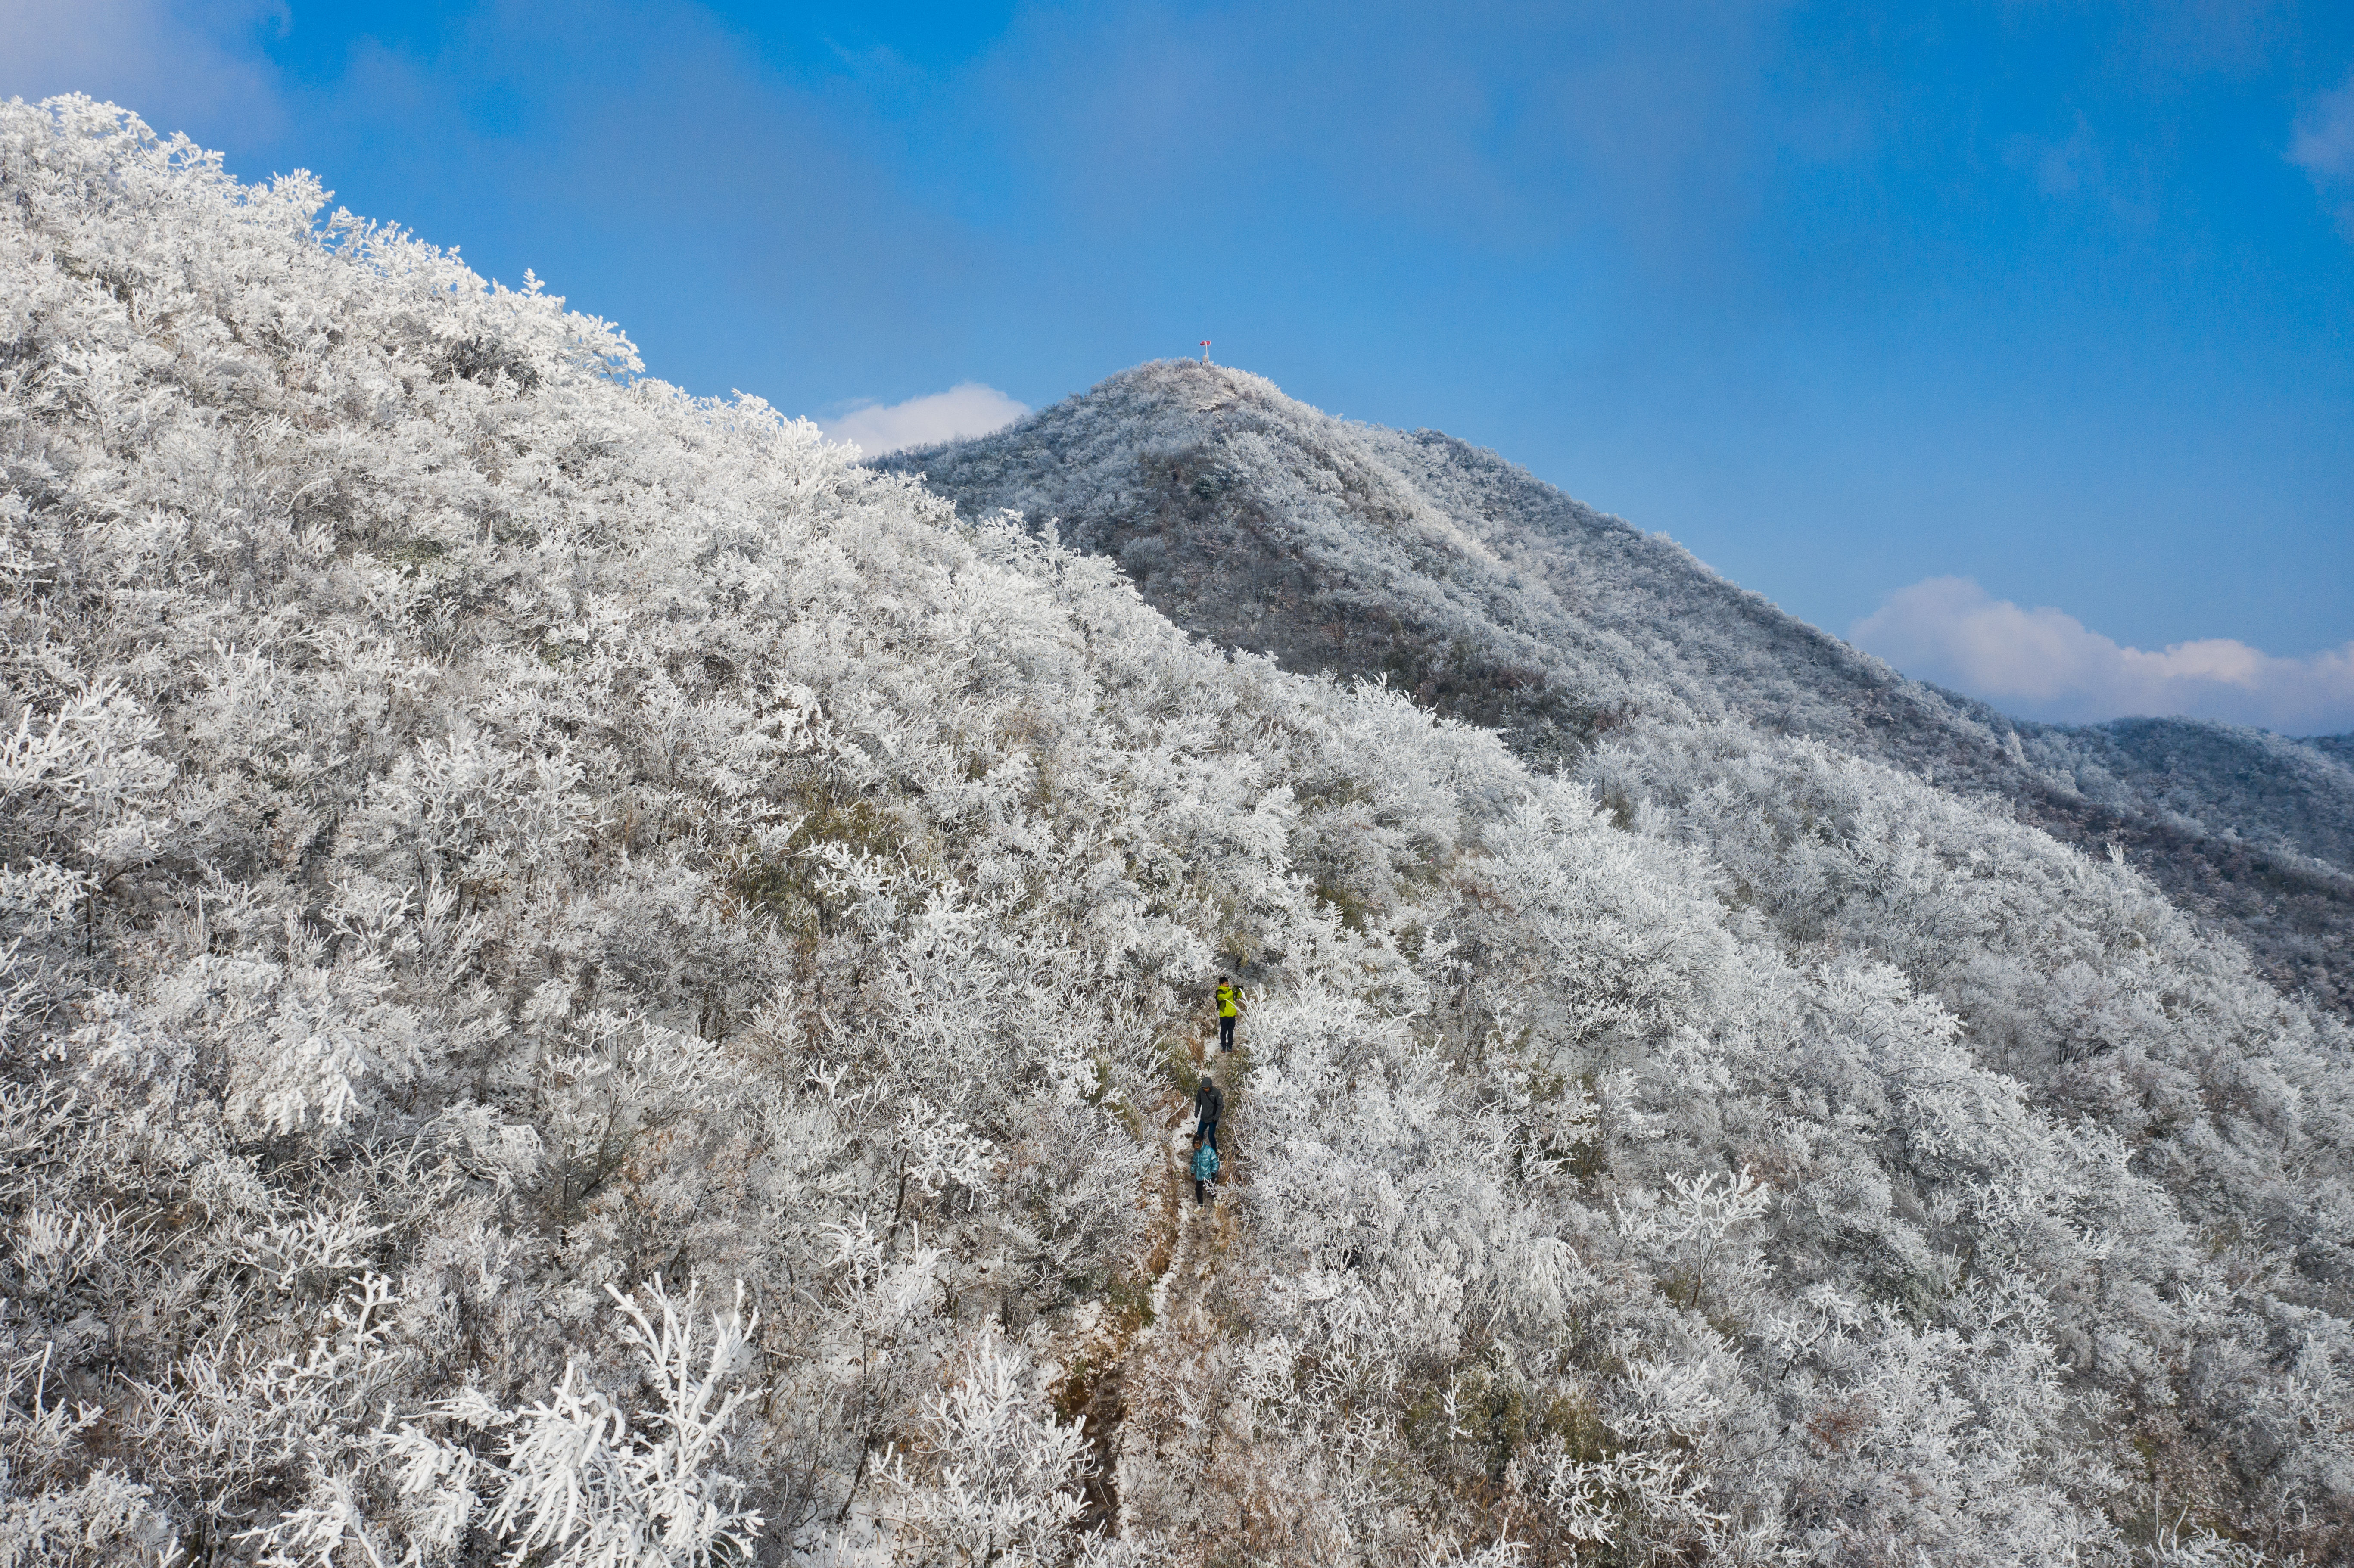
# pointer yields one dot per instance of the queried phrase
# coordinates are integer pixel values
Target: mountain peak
(1266, 526)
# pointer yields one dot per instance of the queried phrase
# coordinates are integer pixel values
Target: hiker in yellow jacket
(1230, 1007)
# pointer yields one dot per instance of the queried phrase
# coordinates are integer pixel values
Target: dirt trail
(1166, 1371)
(1201, 1470)
(1203, 1236)
(1141, 1379)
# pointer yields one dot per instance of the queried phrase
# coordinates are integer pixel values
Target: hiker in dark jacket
(1209, 1104)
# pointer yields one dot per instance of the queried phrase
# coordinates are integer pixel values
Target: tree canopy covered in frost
(587, 982)
(1263, 524)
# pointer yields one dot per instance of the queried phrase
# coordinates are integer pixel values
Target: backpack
(1205, 1163)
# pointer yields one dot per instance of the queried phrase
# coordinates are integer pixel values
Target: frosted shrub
(576, 1481)
(993, 1480)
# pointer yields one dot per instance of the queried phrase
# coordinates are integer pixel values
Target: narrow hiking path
(1155, 1402)
(1183, 1456)
(1169, 1431)
(1204, 1236)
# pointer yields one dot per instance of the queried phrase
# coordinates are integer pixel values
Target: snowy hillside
(1262, 525)
(586, 981)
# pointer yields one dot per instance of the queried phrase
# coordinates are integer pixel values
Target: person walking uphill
(1230, 1007)
(1205, 1170)
(1209, 1105)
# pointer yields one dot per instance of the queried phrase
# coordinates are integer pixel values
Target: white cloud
(2045, 663)
(179, 67)
(2323, 148)
(2060, 168)
(967, 409)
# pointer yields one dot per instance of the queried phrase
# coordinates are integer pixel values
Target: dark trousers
(1206, 1129)
(1225, 1034)
(1201, 1193)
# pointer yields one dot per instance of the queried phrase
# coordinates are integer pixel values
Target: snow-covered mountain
(584, 980)
(1261, 524)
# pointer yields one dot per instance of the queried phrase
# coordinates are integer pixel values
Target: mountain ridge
(1490, 595)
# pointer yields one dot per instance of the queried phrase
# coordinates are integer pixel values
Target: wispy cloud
(2045, 663)
(179, 67)
(2323, 146)
(967, 409)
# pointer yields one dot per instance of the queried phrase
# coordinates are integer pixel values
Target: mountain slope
(584, 980)
(1262, 525)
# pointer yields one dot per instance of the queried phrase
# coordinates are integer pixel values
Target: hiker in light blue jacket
(1206, 1168)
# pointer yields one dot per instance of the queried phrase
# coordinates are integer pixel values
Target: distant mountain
(1263, 524)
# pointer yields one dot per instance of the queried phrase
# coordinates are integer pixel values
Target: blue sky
(2050, 304)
